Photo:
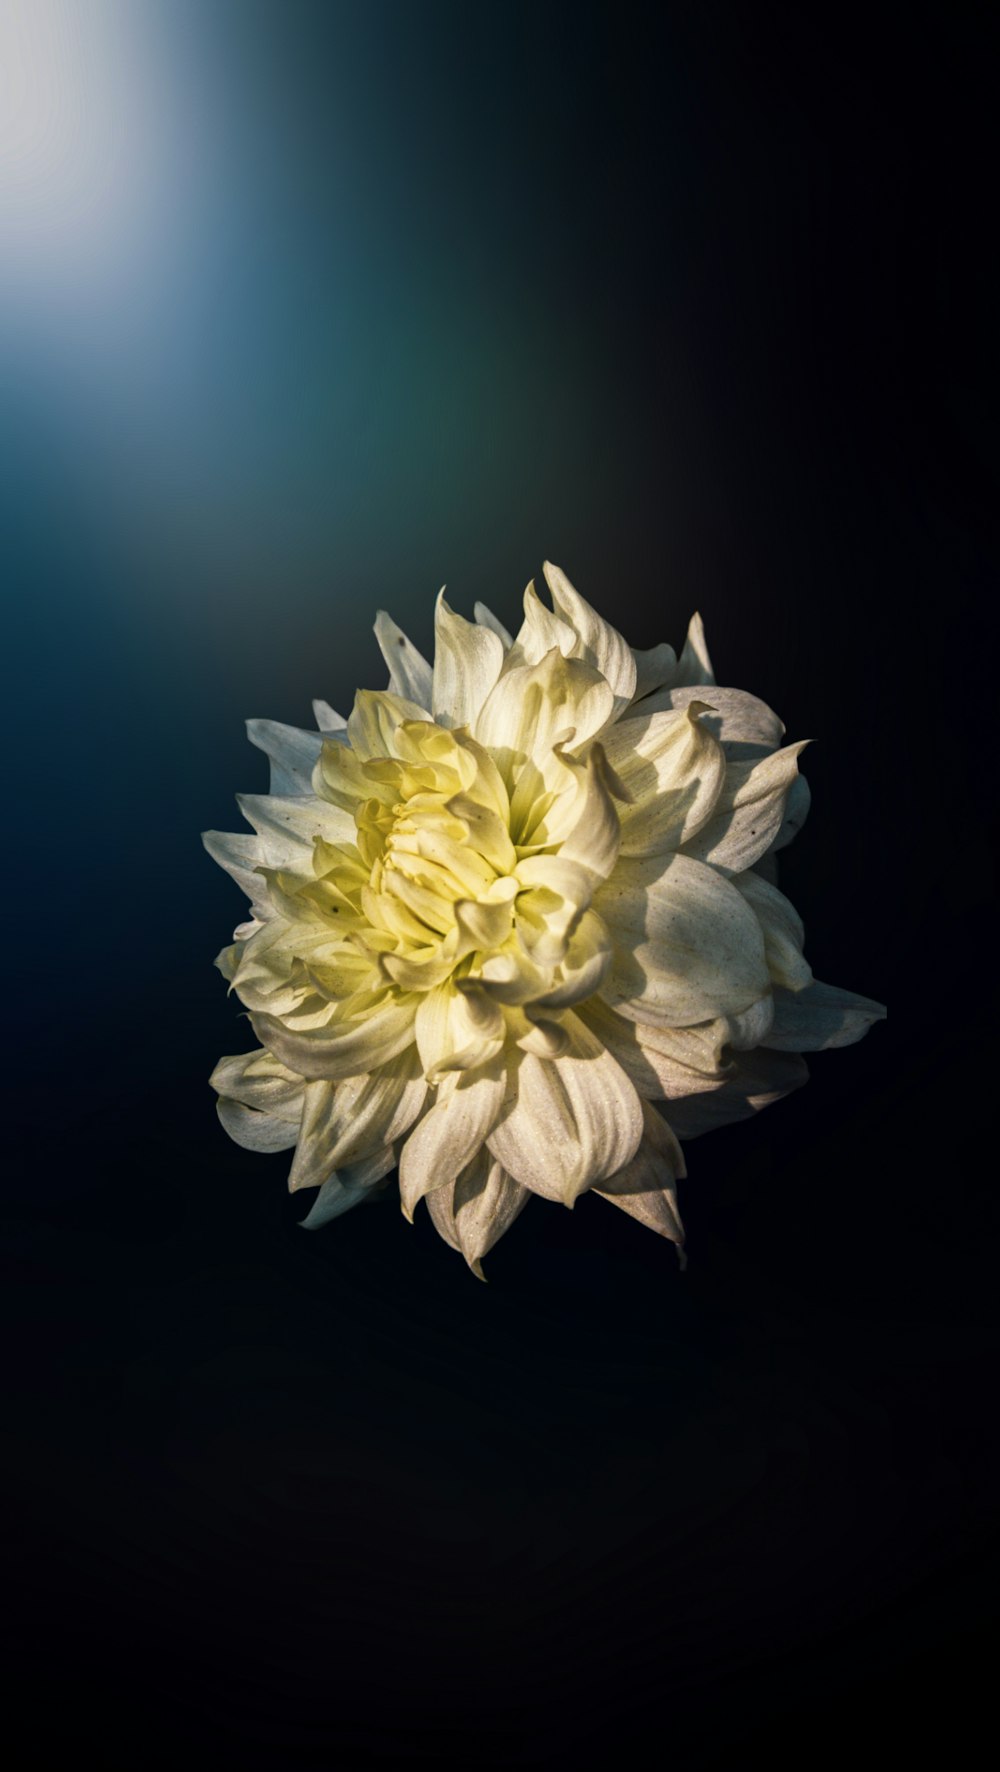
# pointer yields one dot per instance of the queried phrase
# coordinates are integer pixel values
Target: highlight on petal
(599, 644)
(694, 664)
(567, 1123)
(745, 727)
(467, 662)
(474, 1211)
(674, 771)
(487, 619)
(749, 811)
(514, 925)
(451, 1133)
(409, 672)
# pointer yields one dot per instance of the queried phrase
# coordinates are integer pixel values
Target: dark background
(309, 309)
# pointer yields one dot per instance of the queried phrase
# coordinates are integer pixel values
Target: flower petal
(648, 1055)
(293, 752)
(687, 945)
(749, 811)
(473, 1212)
(344, 1123)
(487, 619)
(467, 663)
(456, 1030)
(783, 931)
(674, 771)
(647, 1187)
(259, 1080)
(744, 726)
(348, 1187)
(759, 1078)
(375, 720)
(653, 669)
(796, 812)
(409, 672)
(254, 1130)
(568, 1122)
(288, 827)
(533, 707)
(329, 721)
(820, 1016)
(694, 665)
(601, 645)
(587, 823)
(451, 1132)
(240, 855)
(344, 1050)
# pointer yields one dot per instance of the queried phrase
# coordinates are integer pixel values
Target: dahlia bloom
(515, 928)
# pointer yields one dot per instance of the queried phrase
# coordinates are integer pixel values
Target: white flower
(515, 901)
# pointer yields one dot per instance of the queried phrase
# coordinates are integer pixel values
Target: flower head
(515, 927)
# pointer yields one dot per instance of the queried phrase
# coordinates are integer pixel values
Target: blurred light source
(80, 145)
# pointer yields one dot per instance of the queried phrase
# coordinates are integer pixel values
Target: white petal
(288, 828)
(259, 1080)
(487, 619)
(674, 771)
(587, 824)
(648, 1056)
(783, 931)
(293, 753)
(694, 664)
(344, 1051)
(568, 1122)
(409, 672)
(600, 644)
(343, 1123)
(748, 812)
(328, 720)
(473, 1212)
(535, 706)
(451, 1132)
(687, 945)
(540, 630)
(254, 1130)
(240, 854)
(759, 1078)
(820, 1016)
(647, 1187)
(348, 1187)
(744, 726)
(456, 1030)
(653, 669)
(467, 662)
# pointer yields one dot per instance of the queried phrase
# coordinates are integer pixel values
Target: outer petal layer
(687, 945)
(567, 1123)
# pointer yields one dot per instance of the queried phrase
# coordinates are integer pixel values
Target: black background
(322, 1499)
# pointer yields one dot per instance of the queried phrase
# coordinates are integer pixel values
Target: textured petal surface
(749, 811)
(687, 945)
(819, 1016)
(567, 1123)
